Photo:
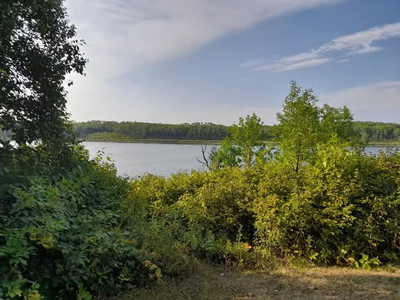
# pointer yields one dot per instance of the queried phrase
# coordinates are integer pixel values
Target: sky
(185, 61)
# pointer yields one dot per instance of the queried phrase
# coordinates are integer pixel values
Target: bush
(344, 205)
(64, 232)
(77, 229)
(338, 209)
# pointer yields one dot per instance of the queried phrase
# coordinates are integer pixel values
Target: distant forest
(369, 132)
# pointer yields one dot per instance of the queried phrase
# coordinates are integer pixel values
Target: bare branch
(204, 160)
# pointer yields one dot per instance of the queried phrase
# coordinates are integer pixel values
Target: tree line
(366, 131)
(377, 131)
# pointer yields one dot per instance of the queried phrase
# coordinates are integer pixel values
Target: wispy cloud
(353, 44)
(375, 102)
(125, 34)
(284, 65)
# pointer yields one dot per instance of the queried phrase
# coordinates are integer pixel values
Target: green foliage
(369, 132)
(243, 147)
(365, 262)
(65, 233)
(106, 137)
(227, 155)
(37, 51)
(338, 206)
(248, 136)
(302, 125)
(71, 228)
(345, 204)
(141, 130)
(336, 121)
(207, 210)
(377, 131)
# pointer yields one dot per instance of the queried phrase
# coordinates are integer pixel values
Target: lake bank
(387, 143)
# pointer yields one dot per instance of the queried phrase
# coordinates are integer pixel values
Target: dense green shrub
(64, 231)
(344, 205)
(71, 227)
(338, 209)
(207, 209)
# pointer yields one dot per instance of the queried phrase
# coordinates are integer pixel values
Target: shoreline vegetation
(370, 133)
(209, 142)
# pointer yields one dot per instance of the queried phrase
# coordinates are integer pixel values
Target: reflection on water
(136, 159)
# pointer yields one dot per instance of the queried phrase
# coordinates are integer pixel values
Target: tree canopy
(37, 50)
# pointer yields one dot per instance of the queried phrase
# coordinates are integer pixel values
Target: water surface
(137, 159)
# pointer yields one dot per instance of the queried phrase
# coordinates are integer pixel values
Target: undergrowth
(71, 228)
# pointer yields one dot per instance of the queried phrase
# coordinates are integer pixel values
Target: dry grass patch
(220, 282)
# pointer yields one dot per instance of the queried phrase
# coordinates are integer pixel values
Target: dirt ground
(220, 282)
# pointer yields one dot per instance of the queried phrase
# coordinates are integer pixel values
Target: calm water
(134, 159)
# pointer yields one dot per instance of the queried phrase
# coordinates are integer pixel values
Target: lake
(137, 159)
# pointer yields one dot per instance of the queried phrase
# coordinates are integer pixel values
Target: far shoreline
(209, 142)
(157, 141)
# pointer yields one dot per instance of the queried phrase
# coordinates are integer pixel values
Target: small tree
(298, 128)
(302, 125)
(248, 137)
(227, 155)
(242, 146)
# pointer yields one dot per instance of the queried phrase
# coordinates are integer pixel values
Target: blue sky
(177, 61)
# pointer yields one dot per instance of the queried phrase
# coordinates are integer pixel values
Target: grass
(221, 282)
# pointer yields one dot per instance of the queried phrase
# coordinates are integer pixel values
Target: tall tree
(37, 50)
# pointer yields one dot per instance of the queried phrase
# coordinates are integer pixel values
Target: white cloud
(123, 35)
(352, 44)
(375, 102)
(361, 42)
